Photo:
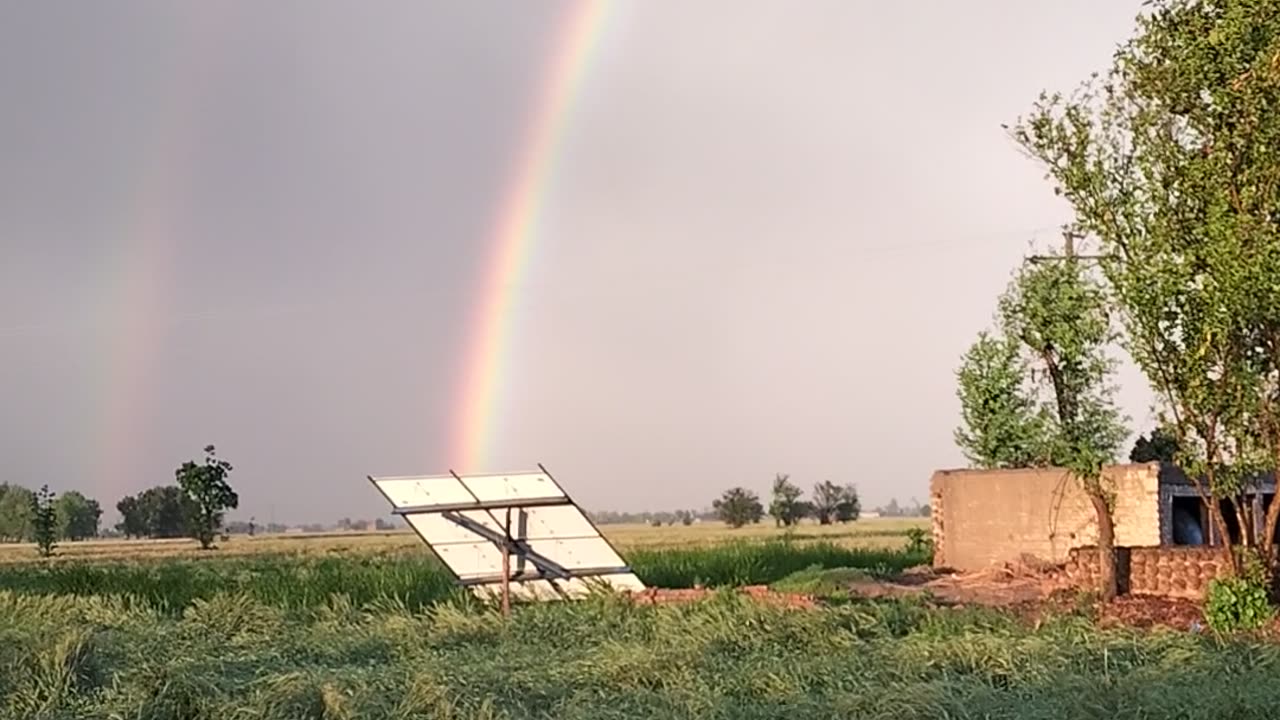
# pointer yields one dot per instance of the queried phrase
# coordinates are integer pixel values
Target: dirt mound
(1003, 585)
(655, 596)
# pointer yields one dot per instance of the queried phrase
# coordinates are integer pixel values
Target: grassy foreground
(233, 656)
(364, 633)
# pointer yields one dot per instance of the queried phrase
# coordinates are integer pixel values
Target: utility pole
(1068, 251)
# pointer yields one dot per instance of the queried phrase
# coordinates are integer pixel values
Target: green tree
(44, 521)
(827, 497)
(1168, 161)
(77, 516)
(1000, 423)
(1040, 393)
(849, 507)
(209, 493)
(162, 512)
(15, 513)
(1162, 446)
(738, 506)
(786, 508)
(1059, 313)
(133, 522)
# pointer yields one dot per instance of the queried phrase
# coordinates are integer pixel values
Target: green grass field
(375, 630)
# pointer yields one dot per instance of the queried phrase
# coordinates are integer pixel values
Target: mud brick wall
(982, 518)
(1179, 572)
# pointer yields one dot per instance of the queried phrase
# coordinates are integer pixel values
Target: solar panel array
(471, 521)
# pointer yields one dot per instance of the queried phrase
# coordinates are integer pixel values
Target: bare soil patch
(1032, 590)
(656, 596)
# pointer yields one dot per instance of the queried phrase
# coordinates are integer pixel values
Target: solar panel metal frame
(545, 570)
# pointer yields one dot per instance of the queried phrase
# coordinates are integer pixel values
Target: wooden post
(506, 568)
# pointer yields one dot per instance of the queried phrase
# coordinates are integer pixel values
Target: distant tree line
(74, 517)
(830, 503)
(665, 517)
(915, 509)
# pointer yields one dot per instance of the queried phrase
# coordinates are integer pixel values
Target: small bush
(1241, 602)
(919, 542)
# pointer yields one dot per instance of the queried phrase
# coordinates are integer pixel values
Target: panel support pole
(506, 567)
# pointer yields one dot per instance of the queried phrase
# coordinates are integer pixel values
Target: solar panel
(518, 531)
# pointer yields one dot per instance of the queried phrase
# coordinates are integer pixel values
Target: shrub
(920, 543)
(1240, 602)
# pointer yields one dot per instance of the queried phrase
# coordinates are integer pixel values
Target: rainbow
(515, 232)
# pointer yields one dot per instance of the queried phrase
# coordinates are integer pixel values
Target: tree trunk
(1268, 543)
(1106, 548)
(1245, 520)
(1220, 522)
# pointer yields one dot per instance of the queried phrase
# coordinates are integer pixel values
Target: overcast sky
(773, 229)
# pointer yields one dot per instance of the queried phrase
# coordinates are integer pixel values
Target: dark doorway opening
(1188, 521)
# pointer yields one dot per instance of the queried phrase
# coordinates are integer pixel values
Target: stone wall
(1181, 572)
(986, 517)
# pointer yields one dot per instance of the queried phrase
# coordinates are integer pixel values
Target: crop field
(874, 533)
(372, 629)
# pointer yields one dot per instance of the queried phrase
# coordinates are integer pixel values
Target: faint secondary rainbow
(515, 232)
(140, 290)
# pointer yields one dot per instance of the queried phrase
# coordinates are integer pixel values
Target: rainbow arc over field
(515, 232)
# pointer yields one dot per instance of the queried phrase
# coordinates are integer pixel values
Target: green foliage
(77, 516)
(786, 508)
(1168, 161)
(415, 581)
(1042, 394)
(738, 506)
(849, 507)
(1000, 423)
(44, 521)
(822, 582)
(206, 487)
(757, 563)
(15, 513)
(833, 502)
(1059, 314)
(920, 542)
(1240, 602)
(160, 512)
(1162, 446)
(132, 522)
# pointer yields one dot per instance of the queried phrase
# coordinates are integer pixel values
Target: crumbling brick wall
(986, 517)
(1174, 571)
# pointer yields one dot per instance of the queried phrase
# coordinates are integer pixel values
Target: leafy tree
(1161, 447)
(786, 509)
(827, 497)
(133, 523)
(1059, 313)
(15, 513)
(206, 487)
(1168, 161)
(849, 507)
(1040, 392)
(738, 506)
(1001, 426)
(44, 521)
(77, 516)
(158, 512)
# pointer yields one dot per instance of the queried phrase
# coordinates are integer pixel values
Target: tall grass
(415, 581)
(287, 582)
(232, 656)
(736, 564)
